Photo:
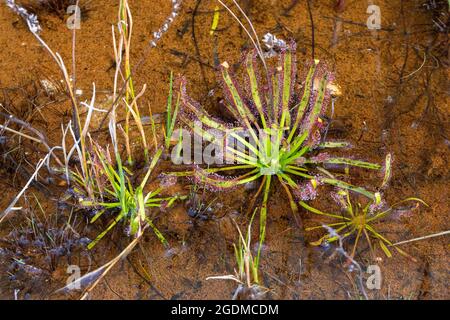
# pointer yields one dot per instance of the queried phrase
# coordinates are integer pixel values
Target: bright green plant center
(270, 160)
(359, 221)
(275, 167)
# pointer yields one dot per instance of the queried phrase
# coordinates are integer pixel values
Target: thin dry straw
(256, 42)
(76, 133)
(39, 165)
(74, 42)
(97, 275)
(33, 25)
(176, 6)
(41, 138)
(250, 23)
(20, 133)
(443, 233)
(84, 132)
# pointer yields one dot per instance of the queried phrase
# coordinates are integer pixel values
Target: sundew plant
(358, 221)
(278, 129)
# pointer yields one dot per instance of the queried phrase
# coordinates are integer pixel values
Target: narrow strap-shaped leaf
(98, 214)
(169, 105)
(297, 173)
(235, 134)
(235, 98)
(292, 154)
(200, 131)
(200, 115)
(151, 167)
(381, 214)
(173, 119)
(405, 254)
(287, 66)
(171, 200)
(274, 99)
(192, 107)
(221, 182)
(345, 185)
(108, 169)
(215, 21)
(108, 205)
(292, 167)
(347, 161)
(376, 234)
(297, 155)
(317, 211)
(288, 179)
(228, 168)
(385, 249)
(111, 225)
(158, 233)
(327, 237)
(156, 200)
(318, 107)
(334, 144)
(150, 196)
(258, 100)
(292, 203)
(247, 157)
(328, 224)
(301, 108)
(263, 218)
(345, 235)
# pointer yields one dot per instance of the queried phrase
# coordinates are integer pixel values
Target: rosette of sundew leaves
(357, 220)
(278, 129)
(114, 192)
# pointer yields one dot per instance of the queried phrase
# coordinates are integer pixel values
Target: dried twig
(11, 207)
(443, 233)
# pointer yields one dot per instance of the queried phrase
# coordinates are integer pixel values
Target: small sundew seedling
(247, 272)
(357, 221)
(115, 192)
